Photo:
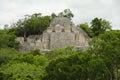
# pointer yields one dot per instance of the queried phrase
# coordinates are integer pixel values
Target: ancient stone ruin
(60, 34)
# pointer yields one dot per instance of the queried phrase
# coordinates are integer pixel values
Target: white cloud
(84, 10)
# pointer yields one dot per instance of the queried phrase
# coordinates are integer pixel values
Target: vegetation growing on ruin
(100, 62)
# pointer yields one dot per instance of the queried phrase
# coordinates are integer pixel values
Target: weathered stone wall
(61, 33)
(61, 40)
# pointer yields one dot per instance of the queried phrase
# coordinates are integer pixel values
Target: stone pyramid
(60, 34)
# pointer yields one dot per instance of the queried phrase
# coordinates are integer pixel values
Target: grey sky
(83, 10)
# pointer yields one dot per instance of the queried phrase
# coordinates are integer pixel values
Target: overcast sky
(83, 10)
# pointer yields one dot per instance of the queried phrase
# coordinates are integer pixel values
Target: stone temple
(60, 34)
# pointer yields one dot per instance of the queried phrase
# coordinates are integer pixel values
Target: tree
(79, 66)
(22, 71)
(2, 75)
(30, 25)
(6, 55)
(99, 26)
(53, 15)
(8, 40)
(40, 60)
(59, 52)
(97, 69)
(85, 27)
(24, 57)
(36, 24)
(107, 46)
(66, 13)
(65, 68)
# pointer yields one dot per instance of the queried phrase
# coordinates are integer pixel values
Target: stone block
(61, 40)
(68, 29)
(58, 28)
(75, 30)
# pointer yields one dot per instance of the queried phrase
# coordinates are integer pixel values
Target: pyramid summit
(60, 34)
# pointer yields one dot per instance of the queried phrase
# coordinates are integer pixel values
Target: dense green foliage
(30, 25)
(107, 46)
(8, 40)
(79, 66)
(66, 13)
(86, 28)
(94, 64)
(22, 71)
(6, 54)
(99, 26)
(35, 24)
(99, 62)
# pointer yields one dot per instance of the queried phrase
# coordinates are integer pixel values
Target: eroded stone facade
(60, 34)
